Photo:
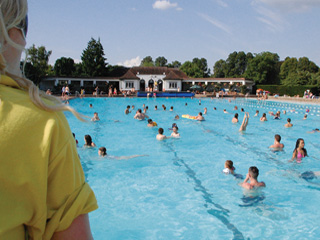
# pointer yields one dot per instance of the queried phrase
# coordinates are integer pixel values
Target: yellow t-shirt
(42, 184)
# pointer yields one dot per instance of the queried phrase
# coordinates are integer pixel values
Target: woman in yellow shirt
(42, 185)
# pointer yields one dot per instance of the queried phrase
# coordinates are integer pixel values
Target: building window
(129, 84)
(173, 85)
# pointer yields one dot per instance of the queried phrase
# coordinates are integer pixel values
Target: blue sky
(180, 30)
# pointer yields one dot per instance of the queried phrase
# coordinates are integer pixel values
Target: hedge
(289, 90)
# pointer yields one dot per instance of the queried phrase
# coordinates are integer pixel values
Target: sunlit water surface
(179, 191)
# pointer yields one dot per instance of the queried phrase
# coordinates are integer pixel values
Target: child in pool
(228, 167)
(299, 152)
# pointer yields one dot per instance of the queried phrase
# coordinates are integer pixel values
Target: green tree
(93, 60)
(203, 66)
(263, 68)
(116, 71)
(147, 62)
(64, 67)
(219, 69)
(305, 64)
(174, 64)
(37, 63)
(191, 69)
(160, 62)
(289, 66)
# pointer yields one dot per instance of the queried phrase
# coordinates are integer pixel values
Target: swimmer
(277, 144)
(284, 112)
(228, 167)
(277, 116)
(90, 105)
(171, 108)
(252, 176)
(173, 125)
(155, 107)
(175, 133)
(88, 141)
(235, 108)
(225, 111)
(200, 117)
(299, 152)
(235, 118)
(164, 108)
(309, 175)
(145, 109)
(127, 111)
(305, 116)
(205, 111)
(132, 107)
(151, 123)
(264, 117)
(95, 117)
(271, 113)
(214, 108)
(103, 153)
(314, 130)
(186, 104)
(288, 124)
(160, 135)
(245, 122)
(139, 115)
(143, 105)
(257, 113)
(176, 117)
(242, 110)
(199, 102)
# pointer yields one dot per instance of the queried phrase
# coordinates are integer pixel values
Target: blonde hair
(12, 12)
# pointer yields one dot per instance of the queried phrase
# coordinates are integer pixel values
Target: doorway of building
(142, 85)
(151, 84)
(160, 85)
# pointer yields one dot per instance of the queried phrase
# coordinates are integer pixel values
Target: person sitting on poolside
(151, 123)
(88, 141)
(160, 135)
(176, 117)
(257, 113)
(277, 144)
(252, 176)
(305, 116)
(299, 152)
(264, 117)
(200, 117)
(127, 111)
(245, 122)
(175, 133)
(205, 110)
(171, 108)
(235, 118)
(139, 115)
(228, 167)
(95, 117)
(288, 124)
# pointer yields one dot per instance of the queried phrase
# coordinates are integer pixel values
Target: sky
(130, 30)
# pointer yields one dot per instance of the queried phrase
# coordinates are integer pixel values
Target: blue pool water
(179, 191)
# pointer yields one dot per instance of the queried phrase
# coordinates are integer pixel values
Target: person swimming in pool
(251, 180)
(151, 123)
(299, 152)
(305, 117)
(277, 144)
(171, 108)
(264, 117)
(205, 110)
(139, 115)
(245, 122)
(95, 117)
(175, 133)
(160, 135)
(257, 113)
(228, 167)
(88, 141)
(235, 118)
(176, 117)
(314, 130)
(288, 124)
(103, 153)
(127, 111)
(200, 117)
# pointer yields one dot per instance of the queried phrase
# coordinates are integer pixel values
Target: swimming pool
(179, 191)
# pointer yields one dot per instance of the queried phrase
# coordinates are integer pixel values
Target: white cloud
(222, 3)
(272, 19)
(292, 5)
(131, 62)
(165, 4)
(216, 23)
(77, 60)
